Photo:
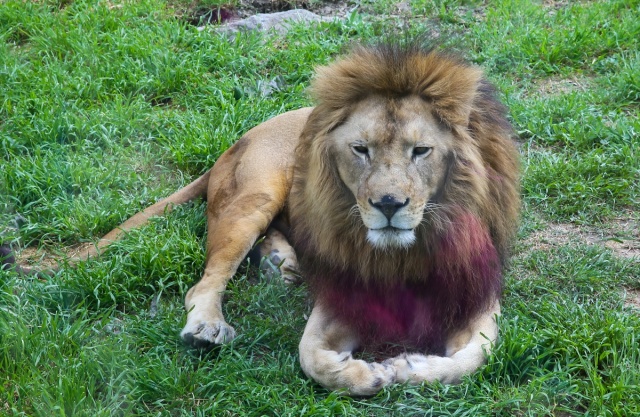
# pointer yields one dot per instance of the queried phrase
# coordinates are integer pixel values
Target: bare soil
(632, 299)
(622, 236)
(47, 259)
(557, 86)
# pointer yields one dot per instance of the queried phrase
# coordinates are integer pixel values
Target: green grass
(107, 106)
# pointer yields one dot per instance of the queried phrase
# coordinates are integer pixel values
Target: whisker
(354, 215)
(354, 210)
(434, 216)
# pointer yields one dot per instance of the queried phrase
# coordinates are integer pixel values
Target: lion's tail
(197, 188)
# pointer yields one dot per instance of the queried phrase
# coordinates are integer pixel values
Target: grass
(107, 106)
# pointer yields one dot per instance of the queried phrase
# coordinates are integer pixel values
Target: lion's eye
(421, 150)
(360, 150)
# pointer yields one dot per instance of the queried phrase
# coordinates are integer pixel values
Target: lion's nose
(388, 205)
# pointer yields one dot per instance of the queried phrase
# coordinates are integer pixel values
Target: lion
(396, 199)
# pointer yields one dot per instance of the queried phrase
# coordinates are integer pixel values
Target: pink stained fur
(419, 312)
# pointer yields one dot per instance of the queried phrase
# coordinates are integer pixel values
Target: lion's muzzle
(390, 222)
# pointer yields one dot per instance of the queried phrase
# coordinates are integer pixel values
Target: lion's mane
(454, 270)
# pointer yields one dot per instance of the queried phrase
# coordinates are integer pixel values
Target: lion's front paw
(416, 368)
(412, 368)
(382, 375)
(200, 333)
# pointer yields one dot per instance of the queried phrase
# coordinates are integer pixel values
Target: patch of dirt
(47, 259)
(333, 8)
(632, 299)
(622, 236)
(550, 87)
(556, 4)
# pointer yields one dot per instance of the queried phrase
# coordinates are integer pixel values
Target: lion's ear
(449, 85)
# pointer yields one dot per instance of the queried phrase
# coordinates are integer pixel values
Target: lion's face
(394, 156)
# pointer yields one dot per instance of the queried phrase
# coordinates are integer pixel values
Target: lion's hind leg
(466, 352)
(275, 256)
(326, 356)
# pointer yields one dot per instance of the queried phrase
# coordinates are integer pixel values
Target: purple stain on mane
(393, 315)
(420, 312)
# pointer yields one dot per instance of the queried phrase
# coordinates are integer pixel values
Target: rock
(279, 22)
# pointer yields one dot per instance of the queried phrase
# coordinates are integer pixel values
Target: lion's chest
(461, 278)
(401, 315)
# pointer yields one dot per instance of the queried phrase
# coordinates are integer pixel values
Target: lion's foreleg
(326, 356)
(229, 239)
(466, 352)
